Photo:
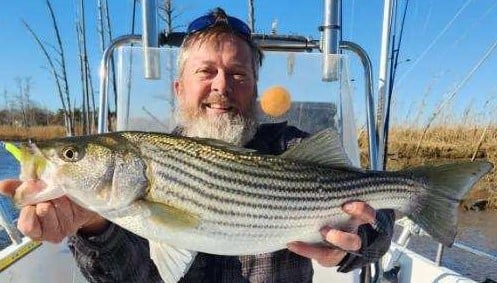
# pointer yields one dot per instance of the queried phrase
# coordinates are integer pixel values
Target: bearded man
(216, 91)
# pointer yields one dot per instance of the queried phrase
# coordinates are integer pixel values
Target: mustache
(218, 98)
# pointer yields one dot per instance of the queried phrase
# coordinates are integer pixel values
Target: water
(476, 229)
(9, 168)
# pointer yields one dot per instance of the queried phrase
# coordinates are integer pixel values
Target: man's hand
(53, 220)
(361, 213)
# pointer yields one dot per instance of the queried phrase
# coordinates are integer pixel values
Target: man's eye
(239, 77)
(204, 71)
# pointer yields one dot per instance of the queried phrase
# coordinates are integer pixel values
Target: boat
(299, 64)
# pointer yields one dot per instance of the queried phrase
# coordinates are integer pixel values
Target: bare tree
(8, 107)
(105, 34)
(168, 14)
(88, 97)
(21, 101)
(58, 69)
(24, 102)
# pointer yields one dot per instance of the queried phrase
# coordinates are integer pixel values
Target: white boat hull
(47, 263)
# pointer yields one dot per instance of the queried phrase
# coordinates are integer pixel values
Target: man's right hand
(53, 220)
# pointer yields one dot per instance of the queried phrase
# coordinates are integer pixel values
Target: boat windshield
(145, 104)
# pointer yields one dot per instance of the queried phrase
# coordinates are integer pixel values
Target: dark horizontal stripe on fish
(302, 196)
(247, 235)
(320, 202)
(350, 189)
(272, 225)
(306, 207)
(201, 191)
(286, 173)
(304, 187)
(289, 216)
(244, 179)
(265, 228)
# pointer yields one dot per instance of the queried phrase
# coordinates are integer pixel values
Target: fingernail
(348, 207)
(324, 231)
(293, 246)
(332, 236)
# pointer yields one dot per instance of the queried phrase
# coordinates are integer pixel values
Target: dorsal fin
(324, 148)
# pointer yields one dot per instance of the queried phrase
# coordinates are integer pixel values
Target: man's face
(218, 78)
(217, 90)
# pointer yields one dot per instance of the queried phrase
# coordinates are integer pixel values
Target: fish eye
(70, 154)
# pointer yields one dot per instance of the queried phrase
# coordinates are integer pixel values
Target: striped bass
(188, 195)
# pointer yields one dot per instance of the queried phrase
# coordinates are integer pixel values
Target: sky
(447, 56)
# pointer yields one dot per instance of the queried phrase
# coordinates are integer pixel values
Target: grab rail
(410, 228)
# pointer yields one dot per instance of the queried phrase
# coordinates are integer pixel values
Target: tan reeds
(8, 133)
(443, 144)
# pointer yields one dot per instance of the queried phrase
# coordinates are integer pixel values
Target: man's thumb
(9, 186)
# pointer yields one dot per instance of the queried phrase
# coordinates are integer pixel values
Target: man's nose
(221, 83)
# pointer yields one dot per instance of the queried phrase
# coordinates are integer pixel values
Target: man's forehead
(206, 51)
(218, 40)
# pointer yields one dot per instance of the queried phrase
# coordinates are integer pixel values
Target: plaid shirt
(118, 255)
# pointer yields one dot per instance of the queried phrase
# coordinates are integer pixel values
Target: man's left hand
(340, 241)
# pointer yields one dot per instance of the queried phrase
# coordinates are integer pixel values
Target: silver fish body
(204, 195)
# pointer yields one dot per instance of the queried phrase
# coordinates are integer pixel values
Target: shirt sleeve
(116, 255)
(375, 241)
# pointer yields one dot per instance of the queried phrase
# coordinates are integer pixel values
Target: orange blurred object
(275, 101)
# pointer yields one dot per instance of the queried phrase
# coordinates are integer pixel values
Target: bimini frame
(330, 43)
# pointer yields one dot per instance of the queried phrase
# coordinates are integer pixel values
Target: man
(216, 91)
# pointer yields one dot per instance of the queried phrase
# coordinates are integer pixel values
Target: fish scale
(257, 196)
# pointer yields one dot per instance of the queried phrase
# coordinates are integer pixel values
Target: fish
(189, 195)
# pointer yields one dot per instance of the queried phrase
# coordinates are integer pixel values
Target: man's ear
(177, 88)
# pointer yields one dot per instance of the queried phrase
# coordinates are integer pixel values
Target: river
(476, 229)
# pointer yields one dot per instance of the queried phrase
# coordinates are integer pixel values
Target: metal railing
(410, 228)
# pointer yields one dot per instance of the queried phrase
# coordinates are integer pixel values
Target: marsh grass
(410, 147)
(9, 133)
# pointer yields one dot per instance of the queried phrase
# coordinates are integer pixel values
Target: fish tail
(446, 185)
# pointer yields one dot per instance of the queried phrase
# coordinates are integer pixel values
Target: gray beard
(233, 129)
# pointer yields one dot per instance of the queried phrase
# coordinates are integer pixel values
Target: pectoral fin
(172, 217)
(172, 263)
(157, 213)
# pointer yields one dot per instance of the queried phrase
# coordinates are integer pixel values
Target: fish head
(100, 172)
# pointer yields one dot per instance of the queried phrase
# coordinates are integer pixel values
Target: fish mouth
(33, 167)
(34, 191)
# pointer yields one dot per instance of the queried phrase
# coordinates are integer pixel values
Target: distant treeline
(35, 116)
